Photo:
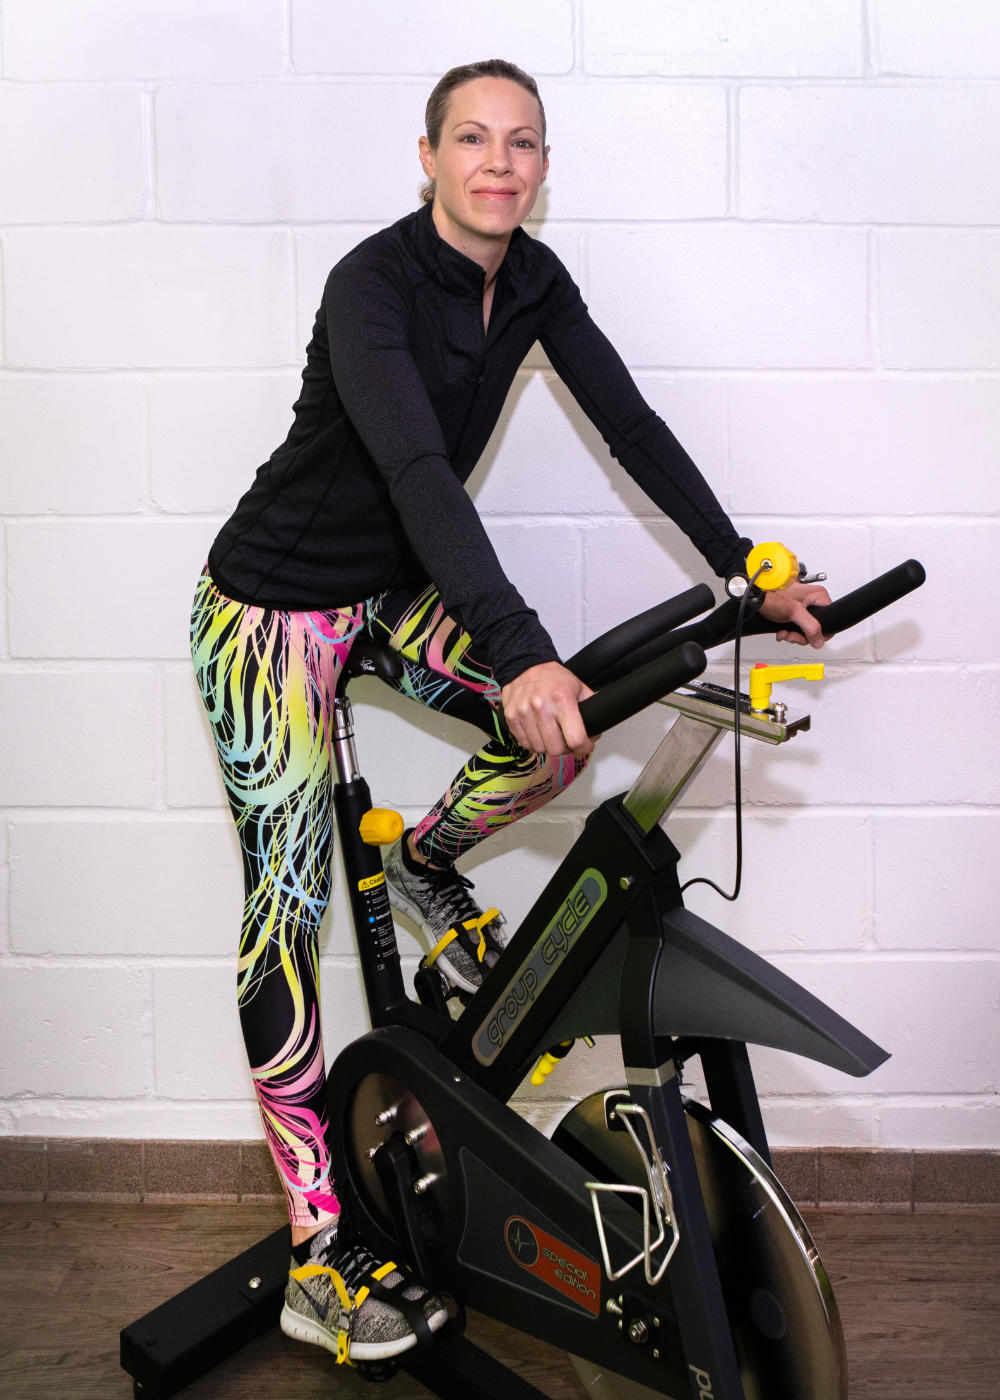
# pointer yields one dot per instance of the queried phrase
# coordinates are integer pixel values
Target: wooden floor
(919, 1296)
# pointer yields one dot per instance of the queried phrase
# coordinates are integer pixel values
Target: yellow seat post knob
(380, 826)
(763, 676)
(774, 565)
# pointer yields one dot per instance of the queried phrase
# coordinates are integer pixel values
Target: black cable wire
(738, 770)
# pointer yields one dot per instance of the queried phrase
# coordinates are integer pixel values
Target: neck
(488, 252)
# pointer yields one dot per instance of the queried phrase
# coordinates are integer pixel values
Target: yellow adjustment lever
(778, 564)
(762, 676)
(380, 826)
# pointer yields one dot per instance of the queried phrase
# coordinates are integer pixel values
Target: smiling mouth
(495, 194)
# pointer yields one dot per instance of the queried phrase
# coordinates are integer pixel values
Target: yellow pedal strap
(378, 1275)
(347, 1304)
(440, 946)
(477, 926)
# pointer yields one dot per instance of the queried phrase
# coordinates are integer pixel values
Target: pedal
(428, 987)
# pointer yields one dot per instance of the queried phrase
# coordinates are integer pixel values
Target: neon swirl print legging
(267, 678)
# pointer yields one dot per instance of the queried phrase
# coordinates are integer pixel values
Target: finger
(812, 632)
(578, 741)
(520, 725)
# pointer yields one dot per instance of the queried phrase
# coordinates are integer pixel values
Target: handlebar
(719, 626)
(596, 662)
(625, 697)
(862, 602)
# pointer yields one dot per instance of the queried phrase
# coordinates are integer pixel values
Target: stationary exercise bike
(649, 1236)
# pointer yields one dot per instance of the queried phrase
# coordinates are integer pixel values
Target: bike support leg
(693, 1276)
(732, 1092)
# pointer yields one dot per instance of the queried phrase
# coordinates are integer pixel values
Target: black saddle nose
(371, 658)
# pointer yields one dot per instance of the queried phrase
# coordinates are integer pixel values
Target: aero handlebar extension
(635, 666)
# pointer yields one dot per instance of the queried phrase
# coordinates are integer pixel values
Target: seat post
(345, 754)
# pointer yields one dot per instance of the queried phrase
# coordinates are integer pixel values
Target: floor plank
(919, 1296)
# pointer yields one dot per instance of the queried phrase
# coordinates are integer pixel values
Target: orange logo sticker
(555, 1263)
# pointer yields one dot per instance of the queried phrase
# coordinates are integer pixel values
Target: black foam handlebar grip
(610, 653)
(632, 693)
(862, 602)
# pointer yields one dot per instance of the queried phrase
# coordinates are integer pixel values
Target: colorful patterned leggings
(267, 679)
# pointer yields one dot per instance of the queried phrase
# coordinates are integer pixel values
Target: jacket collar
(452, 269)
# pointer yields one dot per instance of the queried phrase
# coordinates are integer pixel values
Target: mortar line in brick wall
(160, 729)
(287, 18)
(153, 962)
(814, 812)
(591, 520)
(869, 940)
(148, 1036)
(164, 962)
(869, 45)
(149, 152)
(889, 957)
(147, 446)
(732, 150)
(179, 816)
(3, 302)
(578, 37)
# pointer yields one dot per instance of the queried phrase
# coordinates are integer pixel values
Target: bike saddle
(372, 658)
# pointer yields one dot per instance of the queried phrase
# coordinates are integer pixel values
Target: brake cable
(737, 764)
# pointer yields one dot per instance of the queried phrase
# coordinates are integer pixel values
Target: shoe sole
(402, 905)
(303, 1329)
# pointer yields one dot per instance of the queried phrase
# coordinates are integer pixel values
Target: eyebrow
(483, 127)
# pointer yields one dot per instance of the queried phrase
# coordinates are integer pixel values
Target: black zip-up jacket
(401, 390)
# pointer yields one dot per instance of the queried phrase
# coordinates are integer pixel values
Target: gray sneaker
(466, 942)
(343, 1299)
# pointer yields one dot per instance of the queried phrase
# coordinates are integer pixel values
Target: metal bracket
(657, 1203)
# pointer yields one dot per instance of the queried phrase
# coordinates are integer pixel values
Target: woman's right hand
(542, 709)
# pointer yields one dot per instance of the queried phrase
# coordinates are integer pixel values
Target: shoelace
(353, 1263)
(453, 891)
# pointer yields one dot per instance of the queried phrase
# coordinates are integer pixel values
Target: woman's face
(489, 162)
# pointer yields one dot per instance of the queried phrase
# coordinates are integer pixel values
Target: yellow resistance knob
(762, 676)
(779, 566)
(380, 826)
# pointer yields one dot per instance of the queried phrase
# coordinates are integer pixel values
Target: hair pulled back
(437, 103)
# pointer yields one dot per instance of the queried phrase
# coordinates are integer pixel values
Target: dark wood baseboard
(128, 1171)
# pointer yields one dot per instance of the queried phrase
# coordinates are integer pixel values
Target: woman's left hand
(789, 604)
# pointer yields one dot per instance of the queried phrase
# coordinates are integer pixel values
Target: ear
(545, 161)
(426, 157)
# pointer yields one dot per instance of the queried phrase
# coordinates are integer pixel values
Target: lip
(488, 193)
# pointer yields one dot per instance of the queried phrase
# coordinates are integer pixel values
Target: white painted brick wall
(790, 230)
(136, 39)
(95, 162)
(682, 131)
(877, 154)
(688, 300)
(722, 38)
(381, 39)
(127, 297)
(938, 297)
(71, 445)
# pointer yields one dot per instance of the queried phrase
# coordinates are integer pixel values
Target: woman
(359, 523)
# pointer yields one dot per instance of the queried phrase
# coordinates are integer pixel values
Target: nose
(496, 160)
